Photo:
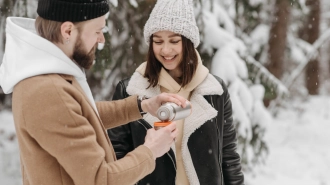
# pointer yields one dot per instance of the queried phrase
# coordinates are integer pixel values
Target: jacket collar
(77, 85)
(202, 111)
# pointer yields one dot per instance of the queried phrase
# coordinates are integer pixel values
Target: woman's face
(167, 47)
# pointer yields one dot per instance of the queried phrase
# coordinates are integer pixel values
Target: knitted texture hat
(173, 15)
(72, 10)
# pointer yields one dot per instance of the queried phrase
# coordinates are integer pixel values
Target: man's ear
(66, 30)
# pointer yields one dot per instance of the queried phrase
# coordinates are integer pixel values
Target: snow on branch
(114, 2)
(261, 73)
(312, 53)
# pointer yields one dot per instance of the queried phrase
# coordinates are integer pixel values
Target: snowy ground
(9, 156)
(299, 146)
(298, 140)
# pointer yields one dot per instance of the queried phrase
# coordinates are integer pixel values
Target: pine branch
(262, 74)
(309, 57)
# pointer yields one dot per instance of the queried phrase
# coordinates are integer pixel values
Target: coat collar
(77, 85)
(202, 111)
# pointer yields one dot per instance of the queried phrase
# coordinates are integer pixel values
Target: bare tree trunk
(311, 34)
(277, 42)
(6, 9)
(278, 37)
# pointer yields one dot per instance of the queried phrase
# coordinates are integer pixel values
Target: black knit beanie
(72, 10)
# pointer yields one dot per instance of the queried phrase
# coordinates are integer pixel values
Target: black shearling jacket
(212, 146)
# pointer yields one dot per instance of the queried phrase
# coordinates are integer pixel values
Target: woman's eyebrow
(173, 35)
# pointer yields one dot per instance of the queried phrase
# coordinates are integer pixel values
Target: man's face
(89, 35)
(82, 56)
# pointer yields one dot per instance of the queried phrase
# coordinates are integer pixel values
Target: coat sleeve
(119, 112)
(231, 162)
(53, 118)
(121, 137)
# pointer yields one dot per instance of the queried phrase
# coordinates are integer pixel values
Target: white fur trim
(202, 111)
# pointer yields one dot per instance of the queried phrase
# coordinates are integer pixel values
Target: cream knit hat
(173, 15)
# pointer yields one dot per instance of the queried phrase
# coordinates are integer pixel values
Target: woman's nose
(166, 49)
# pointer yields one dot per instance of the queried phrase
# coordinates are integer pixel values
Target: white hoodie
(27, 54)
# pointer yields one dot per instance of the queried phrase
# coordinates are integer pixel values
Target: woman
(205, 148)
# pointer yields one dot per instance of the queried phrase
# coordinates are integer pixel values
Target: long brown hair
(188, 64)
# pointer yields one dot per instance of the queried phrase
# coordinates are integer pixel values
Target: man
(60, 129)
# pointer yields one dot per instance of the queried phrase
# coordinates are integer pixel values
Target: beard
(81, 57)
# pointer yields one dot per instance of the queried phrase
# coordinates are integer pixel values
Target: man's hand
(151, 105)
(160, 141)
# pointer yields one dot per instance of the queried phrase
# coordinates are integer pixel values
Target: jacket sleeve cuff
(146, 150)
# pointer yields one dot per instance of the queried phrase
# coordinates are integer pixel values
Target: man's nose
(101, 39)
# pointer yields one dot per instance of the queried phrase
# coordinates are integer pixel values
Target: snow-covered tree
(234, 44)
(222, 42)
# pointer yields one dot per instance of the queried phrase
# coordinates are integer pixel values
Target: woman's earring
(67, 41)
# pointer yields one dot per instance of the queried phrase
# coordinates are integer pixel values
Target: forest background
(269, 53)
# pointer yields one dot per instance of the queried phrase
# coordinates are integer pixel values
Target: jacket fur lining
(202, 111)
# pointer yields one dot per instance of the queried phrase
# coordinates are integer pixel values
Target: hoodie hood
(27, 54)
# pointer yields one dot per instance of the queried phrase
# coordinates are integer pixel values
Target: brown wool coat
(62, 140)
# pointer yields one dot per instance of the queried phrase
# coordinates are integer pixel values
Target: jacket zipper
(147, 126)
(219, 155)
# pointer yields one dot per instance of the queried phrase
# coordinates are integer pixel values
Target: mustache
(94, 48)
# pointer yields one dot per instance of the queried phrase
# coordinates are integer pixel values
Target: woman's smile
(169, 59)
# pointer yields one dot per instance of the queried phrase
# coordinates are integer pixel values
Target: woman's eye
(175, 41)
(157, 42)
